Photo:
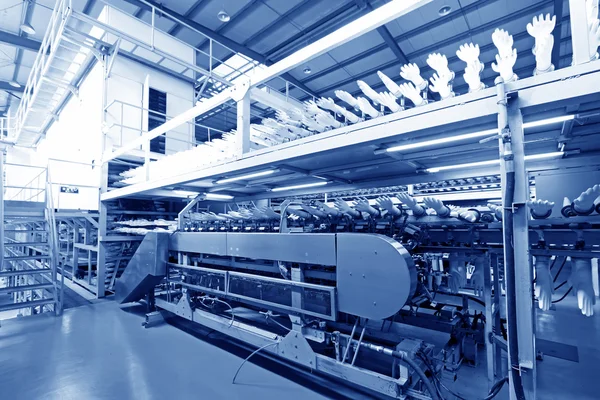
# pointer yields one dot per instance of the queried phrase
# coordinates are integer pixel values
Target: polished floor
(100, 351)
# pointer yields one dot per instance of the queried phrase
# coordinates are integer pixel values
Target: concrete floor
(100, 351)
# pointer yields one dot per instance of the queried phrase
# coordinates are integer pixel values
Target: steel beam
(392, 44)
(190, 13)
(7, 87)
(19, 41)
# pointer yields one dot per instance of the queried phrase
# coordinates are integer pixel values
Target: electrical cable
(251, 354)
(560, 269)
(561, 285)
(563, 297)
(494, 390)
(220, 301)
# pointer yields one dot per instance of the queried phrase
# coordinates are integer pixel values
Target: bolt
(363, 275)
(296, 357)
(296, 346)
(374, 303)
(350, 273)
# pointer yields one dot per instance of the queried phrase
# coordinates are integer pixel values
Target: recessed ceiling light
(27, 28)
(14, 84)
(445, 10)
(223, 16)
(307, 70)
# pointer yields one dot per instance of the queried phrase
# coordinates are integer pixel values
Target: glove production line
(330, 281)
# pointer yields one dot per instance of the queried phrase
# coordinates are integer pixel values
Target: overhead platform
(355, 156)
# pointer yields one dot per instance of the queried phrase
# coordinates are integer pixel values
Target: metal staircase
(29, 282)
(64, 57)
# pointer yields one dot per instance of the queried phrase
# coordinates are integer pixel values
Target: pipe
(509, 252)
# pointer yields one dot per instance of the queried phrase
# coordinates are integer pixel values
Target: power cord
(495, 389)
(251, 354)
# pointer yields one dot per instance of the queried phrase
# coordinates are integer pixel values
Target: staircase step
(16, 306)
(13, 289)
(22, 258)
(24, 272)
(26, 244)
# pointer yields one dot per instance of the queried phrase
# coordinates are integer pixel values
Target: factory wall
(127, 93)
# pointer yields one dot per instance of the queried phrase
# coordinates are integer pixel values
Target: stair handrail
(53, 246)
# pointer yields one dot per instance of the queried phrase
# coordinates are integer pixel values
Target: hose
(430, 388)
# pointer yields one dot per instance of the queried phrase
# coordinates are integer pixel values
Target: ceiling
(269, 30)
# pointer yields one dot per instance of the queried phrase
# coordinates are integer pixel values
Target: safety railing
(45, 55)
(6, 128)
(53, 248)
(117, 110)
(25, 182)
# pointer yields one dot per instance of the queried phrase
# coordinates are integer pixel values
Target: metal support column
(522, 267)
(517, 270)
(579, 32)
(497, 317)
(243, 122)
(103, 211)
(489, 316)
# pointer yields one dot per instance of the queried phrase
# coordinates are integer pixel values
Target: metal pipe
(506, 160)
(349, 341)
(362, 334)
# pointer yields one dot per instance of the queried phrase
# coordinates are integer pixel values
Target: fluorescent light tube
(494, 162)
(467, 165)
(247, 176)
(445, 140)
(548, 121)
(544, 155)
(185, 193)
(306, 185)
(474, 135)
(215, 196)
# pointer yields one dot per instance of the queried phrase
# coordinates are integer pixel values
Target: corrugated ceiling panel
(259, 16)
(356, 46)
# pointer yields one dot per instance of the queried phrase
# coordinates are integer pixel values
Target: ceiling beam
(7, 87)
(194, 9)
(147, 5)
(385, 34)
(392, 44)
(19, 41)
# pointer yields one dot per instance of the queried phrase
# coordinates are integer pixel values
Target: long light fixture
(215, 196)
(475, 135)
(247, 176)
(306, 185)
(445, 140)
(186, 193)
(548, 121)
(493, 162)
(14, 84)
